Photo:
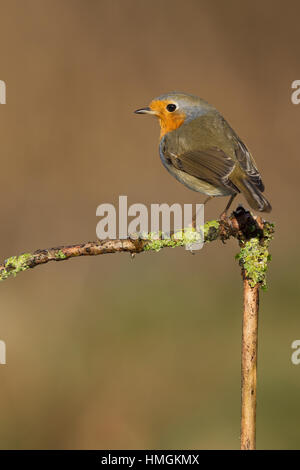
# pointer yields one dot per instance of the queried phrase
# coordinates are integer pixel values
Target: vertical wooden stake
(249, 364)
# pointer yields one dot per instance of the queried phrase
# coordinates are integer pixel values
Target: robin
(200, 149)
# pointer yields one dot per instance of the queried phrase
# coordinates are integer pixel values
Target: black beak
(144, 111)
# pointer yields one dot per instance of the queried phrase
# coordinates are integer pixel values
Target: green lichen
(187, 237)
(60, 255)
(14, 265)
(211, 230)
(157, 241)
(254, 257)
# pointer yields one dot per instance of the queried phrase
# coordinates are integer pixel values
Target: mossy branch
(253, 235)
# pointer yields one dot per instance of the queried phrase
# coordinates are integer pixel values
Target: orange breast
(168, 121)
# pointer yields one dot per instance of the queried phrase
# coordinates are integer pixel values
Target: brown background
(112, 353)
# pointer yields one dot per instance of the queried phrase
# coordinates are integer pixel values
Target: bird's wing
(247, 163)
(211, 165)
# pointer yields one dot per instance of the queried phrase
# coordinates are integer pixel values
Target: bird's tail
(254, 196)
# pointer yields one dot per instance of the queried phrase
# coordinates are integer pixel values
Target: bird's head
(173, 109)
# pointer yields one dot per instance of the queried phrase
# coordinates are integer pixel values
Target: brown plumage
(201, 150)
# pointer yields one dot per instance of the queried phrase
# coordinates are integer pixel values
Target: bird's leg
(223, 216)
(207, 199)
(195, 216)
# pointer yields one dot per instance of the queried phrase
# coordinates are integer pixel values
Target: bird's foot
(223, 216)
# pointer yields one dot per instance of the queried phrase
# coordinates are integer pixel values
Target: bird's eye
(171, 108)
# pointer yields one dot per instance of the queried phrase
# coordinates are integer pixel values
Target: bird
(201, 150)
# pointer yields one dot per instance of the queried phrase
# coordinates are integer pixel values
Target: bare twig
(249, 364)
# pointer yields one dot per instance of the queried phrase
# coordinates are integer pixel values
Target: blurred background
(108, 352)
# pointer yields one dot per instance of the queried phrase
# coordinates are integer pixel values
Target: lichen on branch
(252, 233)
(254, 256)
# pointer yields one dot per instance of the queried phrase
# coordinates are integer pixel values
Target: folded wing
(210, 165)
